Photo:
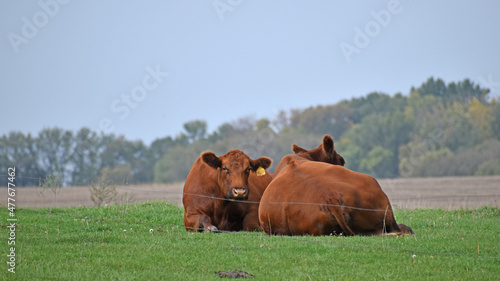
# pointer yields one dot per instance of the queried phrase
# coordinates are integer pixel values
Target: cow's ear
(211, 160)
(328, 145)
(263, 162)
(341, 160)
(297, 149)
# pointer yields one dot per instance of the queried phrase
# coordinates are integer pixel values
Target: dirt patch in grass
(234, 274)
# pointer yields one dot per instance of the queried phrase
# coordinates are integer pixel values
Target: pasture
(146, 241)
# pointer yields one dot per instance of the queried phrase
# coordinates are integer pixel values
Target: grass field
(146, 241)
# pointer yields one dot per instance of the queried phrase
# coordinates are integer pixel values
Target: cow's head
(233, 169)
(325, 152)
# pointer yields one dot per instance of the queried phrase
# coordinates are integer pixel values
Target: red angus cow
(216, 188)
(316, 198)
(274, 217)
(325, 152)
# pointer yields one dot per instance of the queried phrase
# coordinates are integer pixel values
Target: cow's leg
(205, 223)
(338, 213)
(198, 222)
(390, 222)
(251, 220)
(392, 228)
(405, 229)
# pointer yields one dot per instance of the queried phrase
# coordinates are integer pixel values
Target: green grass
(115, 243)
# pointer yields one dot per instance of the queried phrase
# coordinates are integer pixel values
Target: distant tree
(281, 121)
(196, 129)
(458, 132)
(374, 103)
(331, 119)
(489, 168)
(495, 126)
(421, 111)
(432, 87)
(385, 130)
(182, 139)
(244, 124)
(350, 151)
(121, 174)
(379, 161)
(257, 143)
(226, 130)
(20, 151)
(175, 165)
(465, 91)
(469, 161)
(141, 170)
(462, 92)
(119, 152)
(116, 151)
(420, 160)
(262, 124)
(55, 147)
(159, 148)
(481, 118)
(85, 158)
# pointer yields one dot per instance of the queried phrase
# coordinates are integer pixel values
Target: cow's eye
(225, 170)
(249, 169)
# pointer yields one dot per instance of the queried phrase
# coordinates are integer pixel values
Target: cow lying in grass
(216, 189)
(308, 197)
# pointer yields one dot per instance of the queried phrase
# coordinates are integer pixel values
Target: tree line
(437, 129)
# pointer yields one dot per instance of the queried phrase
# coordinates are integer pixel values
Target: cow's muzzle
(239, 193)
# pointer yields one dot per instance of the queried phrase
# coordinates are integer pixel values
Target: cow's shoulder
(201, 177)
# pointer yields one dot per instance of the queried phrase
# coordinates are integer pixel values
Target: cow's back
(366, 204)
(319, 184)
(298, 203)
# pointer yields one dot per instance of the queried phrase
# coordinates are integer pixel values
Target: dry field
(410, 193)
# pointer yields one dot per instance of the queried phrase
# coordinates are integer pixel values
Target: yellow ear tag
(260, 171)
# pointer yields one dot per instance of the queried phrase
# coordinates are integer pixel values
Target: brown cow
(216, 188)
(325, 152)
(316, 198)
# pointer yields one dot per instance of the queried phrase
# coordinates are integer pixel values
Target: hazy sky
(144, 68)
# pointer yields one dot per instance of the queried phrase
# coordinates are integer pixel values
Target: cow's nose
(240, 193)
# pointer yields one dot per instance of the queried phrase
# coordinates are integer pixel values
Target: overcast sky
(144, 68)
